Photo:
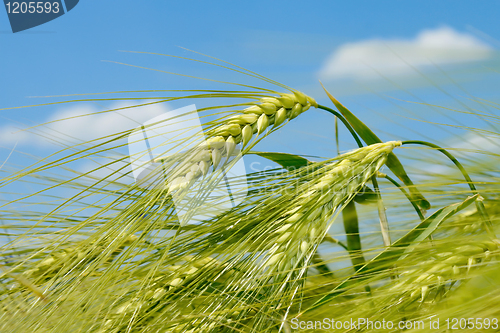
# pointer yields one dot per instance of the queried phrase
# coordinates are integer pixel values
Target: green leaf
(398, 249)
(365, 196)
(392, 163)
(351, 227)
(287, 161)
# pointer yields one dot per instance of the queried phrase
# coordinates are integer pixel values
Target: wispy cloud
(81, 123)
(441, 46)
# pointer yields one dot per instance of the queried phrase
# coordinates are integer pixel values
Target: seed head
(326, 190)
(226, 134)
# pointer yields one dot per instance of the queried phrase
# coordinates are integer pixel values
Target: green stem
(384, 225)
(351, 227)
(344, 121)
(479, 204)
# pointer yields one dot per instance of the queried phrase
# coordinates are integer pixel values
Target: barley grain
(262, 123)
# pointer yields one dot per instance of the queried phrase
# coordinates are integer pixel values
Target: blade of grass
(384, 224)
(351, 227)
(287, 161)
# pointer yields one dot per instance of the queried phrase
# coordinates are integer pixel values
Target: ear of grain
(240, 128)
(338, 182)
(442, 269)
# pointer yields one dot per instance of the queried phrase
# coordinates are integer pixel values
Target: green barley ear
(439, 269)
(267, 111)
(240, 127)
(74, 256)
(160, 295)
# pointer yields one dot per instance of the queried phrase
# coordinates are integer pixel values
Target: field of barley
(385, 236)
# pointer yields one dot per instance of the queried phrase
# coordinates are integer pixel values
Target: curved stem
(395, 183)
(344, 121)
(479, 204)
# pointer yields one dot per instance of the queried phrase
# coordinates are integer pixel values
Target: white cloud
(481, 142)
(441, 46)
(86, 126)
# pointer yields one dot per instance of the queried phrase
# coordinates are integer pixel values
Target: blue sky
(295, 43)
(274, 38)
